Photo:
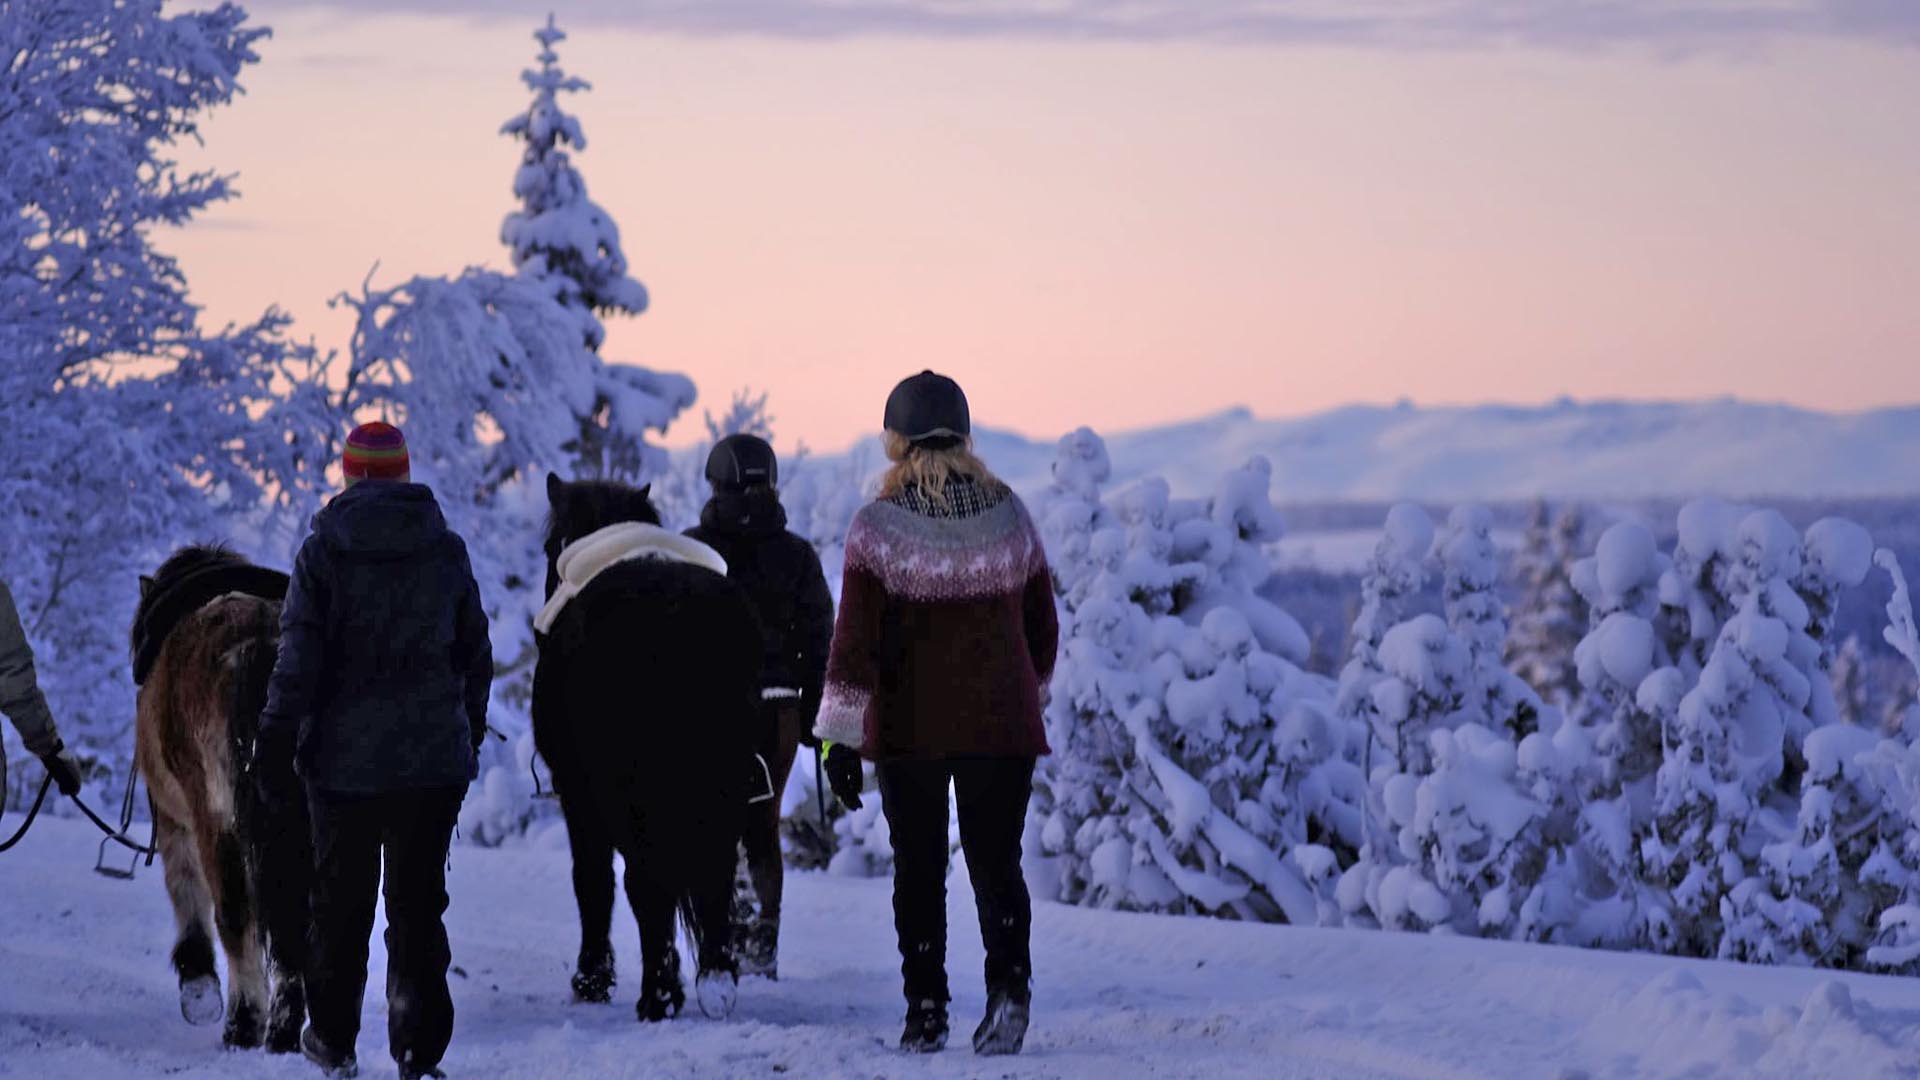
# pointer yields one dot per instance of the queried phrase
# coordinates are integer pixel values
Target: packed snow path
(85, 991)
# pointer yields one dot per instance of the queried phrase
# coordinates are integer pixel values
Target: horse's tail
(250, 666)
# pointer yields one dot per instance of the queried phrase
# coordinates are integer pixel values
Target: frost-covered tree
(1552, 615)
(1469, 830)
(1852, 696)
(559, 236)
(564, 241)
(1496, 698)
(1194, 768)
(125, 426)
(1620, 583)
(1733, 732)
(1892, 873)
(1694, 593)
(1395, 572)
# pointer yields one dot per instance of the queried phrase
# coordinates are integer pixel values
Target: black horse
(644, 700)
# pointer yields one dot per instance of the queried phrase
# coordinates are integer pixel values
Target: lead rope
(113, 835)
(32, 812)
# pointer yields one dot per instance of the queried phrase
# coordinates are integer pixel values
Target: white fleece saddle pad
(584, 559)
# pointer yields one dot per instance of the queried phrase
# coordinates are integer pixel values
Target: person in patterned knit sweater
(944, 642)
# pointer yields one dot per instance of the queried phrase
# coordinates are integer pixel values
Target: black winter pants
(993, 795)
(351, 834)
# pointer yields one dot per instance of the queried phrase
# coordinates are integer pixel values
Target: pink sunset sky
(1125, 214)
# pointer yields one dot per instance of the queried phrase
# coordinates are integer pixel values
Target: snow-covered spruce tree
(1496, 698)
(1891, 875)
(1551, 615)
(125, 427)
(559, 236)
(1852, 696)
(1471, 831)
(565, 241)
(1193, 769)
(491, 381)
(1694, 593)
(1620, 584)
(1731, 738)
(1395, 572)
(1901, 631)
(1593, 773)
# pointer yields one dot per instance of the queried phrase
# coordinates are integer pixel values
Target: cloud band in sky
(1386, 23)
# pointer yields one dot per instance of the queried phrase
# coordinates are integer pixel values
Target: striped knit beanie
(376, 451)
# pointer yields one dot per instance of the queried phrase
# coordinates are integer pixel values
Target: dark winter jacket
(782, 575)
(384, 667)
(946, 632)
(20, 696)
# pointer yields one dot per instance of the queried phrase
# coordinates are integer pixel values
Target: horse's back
(659, 666)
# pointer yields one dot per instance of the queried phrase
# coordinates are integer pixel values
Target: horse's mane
(185, 561)
(595, 504)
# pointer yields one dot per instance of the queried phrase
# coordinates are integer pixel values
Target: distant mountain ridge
(1595, 449)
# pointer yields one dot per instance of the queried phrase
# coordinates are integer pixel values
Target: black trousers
(411, 830)
(993, 795)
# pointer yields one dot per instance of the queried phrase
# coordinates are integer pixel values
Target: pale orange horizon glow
(1123, 234)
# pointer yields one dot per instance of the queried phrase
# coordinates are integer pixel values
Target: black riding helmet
(739, 462)
(929, 410)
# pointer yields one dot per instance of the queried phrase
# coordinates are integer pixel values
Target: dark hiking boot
(926, 1031)
(593, 979)
(1004, 1029)
(336, 1066)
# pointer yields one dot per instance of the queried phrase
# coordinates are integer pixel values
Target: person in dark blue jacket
(379, 696)
(746, 524)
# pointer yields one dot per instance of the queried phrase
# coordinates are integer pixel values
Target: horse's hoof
(200, 1000)
(285, 1015)
(717, 992)
(244, 1030)
(593, 982)
(661, 1005)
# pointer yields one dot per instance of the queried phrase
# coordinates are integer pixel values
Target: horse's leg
(234, 911)
(655, 903)
(709, 861)
(192, 917)
(593, 976)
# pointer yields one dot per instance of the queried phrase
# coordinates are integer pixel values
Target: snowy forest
(1598, 740)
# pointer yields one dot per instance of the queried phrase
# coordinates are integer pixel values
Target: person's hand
(844, 775)
(64, 768)
(473, 764)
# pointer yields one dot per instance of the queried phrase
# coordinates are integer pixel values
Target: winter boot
(336, 1066)
(593, 978)
(1004, 1029)
(926, 1031)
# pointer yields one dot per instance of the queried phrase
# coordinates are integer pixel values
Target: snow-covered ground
(85, 992)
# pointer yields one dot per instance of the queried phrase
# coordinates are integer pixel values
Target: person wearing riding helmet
(746, 524)
(944, 642)
(26, 706)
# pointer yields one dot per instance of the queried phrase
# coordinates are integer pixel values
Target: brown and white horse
(205, 640)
